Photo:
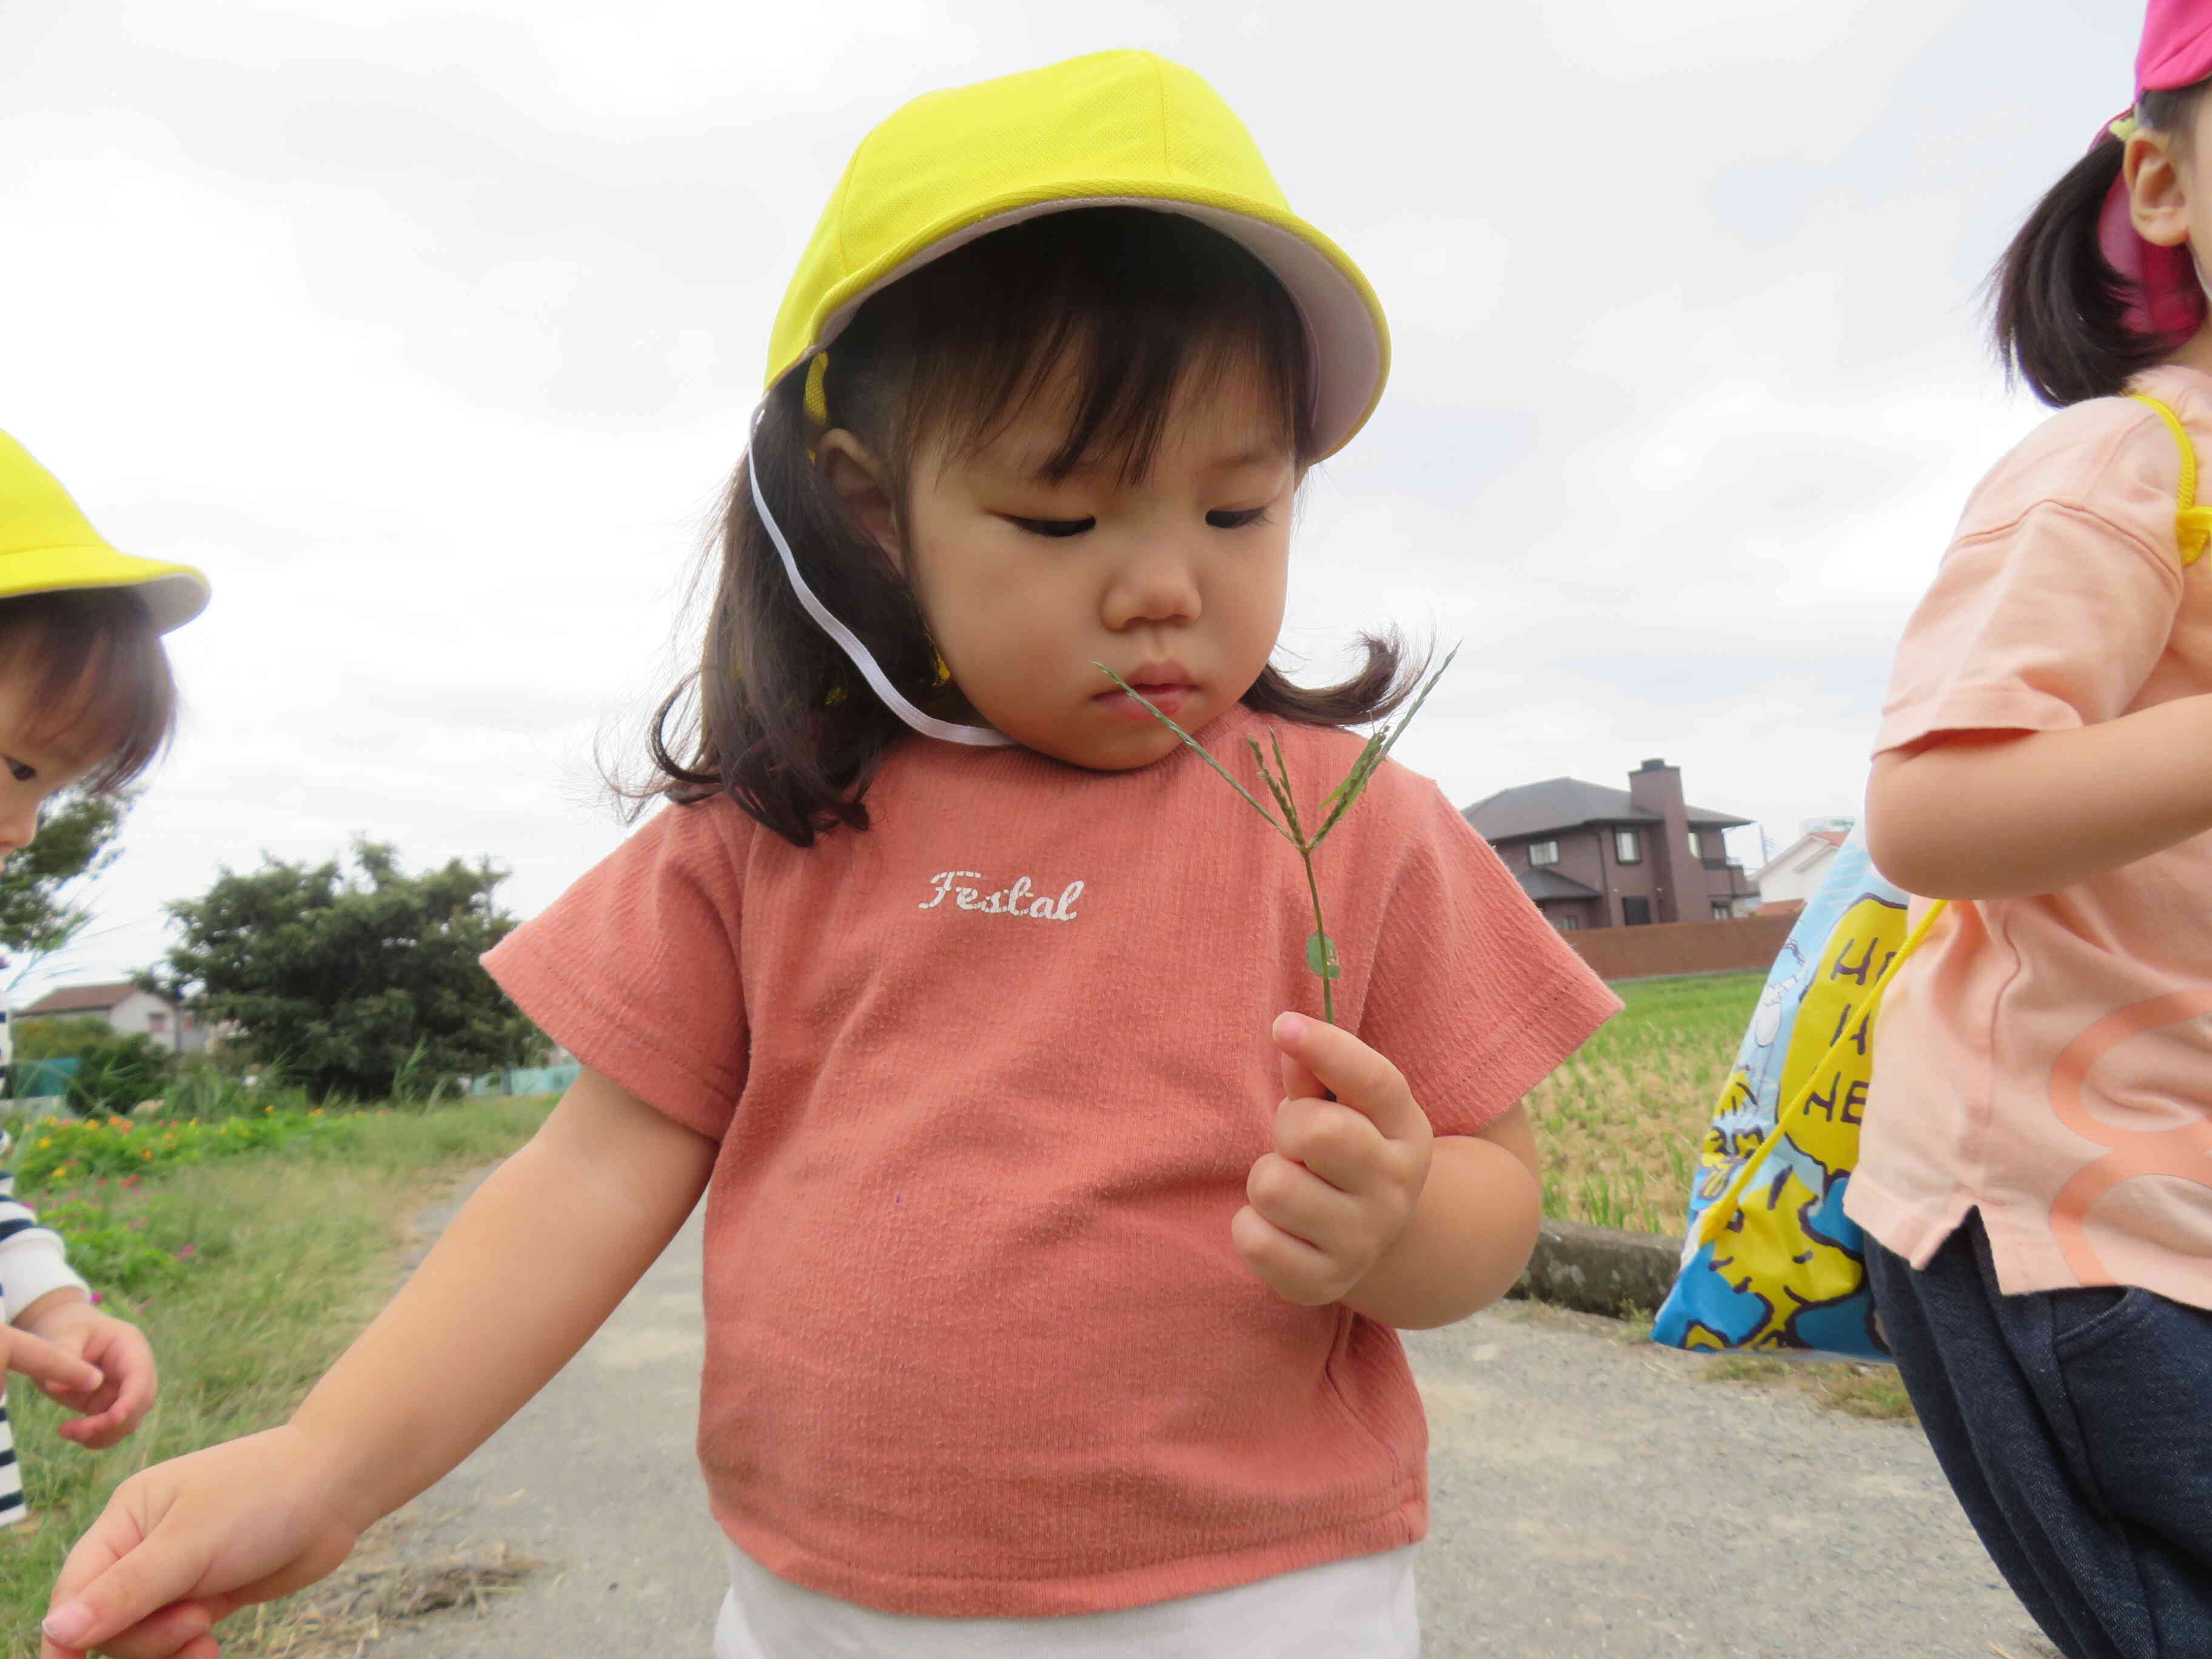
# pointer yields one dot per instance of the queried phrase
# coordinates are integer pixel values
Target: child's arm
(1360, 1204)
(526, 1273)
(1973, 815)
(1471, 1234)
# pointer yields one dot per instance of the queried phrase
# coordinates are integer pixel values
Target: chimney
(1657, 788)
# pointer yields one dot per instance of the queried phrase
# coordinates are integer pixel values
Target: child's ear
(2158, 193)
(857, 479)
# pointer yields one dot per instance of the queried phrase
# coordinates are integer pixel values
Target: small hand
(183, 1545)
(1346, 1174)
(122, 1381)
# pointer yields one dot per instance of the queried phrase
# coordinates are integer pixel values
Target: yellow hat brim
(1114, 129)
(173, 593)
(1343, 319)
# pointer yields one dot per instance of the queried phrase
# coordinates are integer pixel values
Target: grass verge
(1871, 1391)
(1620, 1122)
(290, 1252)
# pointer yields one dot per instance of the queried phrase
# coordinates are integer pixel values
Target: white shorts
(1362, 1609)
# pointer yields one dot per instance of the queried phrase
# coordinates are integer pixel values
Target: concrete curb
(1600, 1269)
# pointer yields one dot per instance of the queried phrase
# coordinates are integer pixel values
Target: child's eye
(20, 772)
(1223, 519)
(1057, 528)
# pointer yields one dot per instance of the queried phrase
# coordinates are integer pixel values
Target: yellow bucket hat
(1115, 129)
(47, 547)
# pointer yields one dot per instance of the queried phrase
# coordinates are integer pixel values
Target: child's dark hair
(1133, 307)
(90, 661)
(2061, 309)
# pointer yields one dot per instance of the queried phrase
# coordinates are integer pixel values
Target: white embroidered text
(1015, 901)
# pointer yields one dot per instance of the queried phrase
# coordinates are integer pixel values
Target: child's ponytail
(2067, 322)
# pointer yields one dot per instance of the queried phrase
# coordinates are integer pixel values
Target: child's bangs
(1109, 318)
(97, 678)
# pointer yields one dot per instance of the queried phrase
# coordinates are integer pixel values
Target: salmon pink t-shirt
(2048, 1061)
(987, 1079)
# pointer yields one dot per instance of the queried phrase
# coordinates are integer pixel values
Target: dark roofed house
(1594, 857)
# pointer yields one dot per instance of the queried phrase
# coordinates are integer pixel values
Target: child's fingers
(181, 1631)
(99, 1430)
(115, 1410)
(1358, 1076)
(116, 1580)
(142, 1379)
(54, 1368)
(1299, 1081)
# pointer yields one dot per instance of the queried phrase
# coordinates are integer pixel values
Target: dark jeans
(2076, 1427)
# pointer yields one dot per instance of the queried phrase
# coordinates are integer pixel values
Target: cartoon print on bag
(1791, 1211)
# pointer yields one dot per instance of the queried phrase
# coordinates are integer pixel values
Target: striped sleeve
(34, 1261)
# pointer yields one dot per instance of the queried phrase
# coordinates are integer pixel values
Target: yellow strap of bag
(2192, 525)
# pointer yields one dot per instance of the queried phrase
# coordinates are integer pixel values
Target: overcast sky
(430, 329)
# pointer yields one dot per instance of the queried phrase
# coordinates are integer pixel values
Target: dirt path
(1593, 1496)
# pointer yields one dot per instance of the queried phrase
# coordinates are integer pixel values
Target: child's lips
(1169, 699)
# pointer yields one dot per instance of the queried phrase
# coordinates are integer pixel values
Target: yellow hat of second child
(1115, 129)
(46, 546)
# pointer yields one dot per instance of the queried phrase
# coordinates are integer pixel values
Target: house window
(157, 1021)
(1635, 912)
(1628, 846)
(1723, 910)
(1541, 852)
(1567, 924)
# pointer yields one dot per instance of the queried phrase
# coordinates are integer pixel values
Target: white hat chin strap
(981, 736)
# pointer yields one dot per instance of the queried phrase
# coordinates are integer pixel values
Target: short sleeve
(636, 969)
(2052, 621)
(1475, 997)
(33, 1262)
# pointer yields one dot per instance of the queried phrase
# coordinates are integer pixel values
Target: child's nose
(1157, 584)
(19, 828)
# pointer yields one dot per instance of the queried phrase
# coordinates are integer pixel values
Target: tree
(341, 977)
(41, 887)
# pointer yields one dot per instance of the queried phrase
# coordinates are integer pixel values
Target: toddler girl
(86, 703)
(2035, 1178)
(1049, 1294)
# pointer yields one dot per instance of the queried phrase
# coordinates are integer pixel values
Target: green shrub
(59, 1036)
(117, 1243)
(115, 1074)
(59, 1152)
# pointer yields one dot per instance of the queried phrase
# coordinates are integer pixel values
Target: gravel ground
(1593, 1496)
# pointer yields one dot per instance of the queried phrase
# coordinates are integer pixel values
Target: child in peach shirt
(2035, 1177)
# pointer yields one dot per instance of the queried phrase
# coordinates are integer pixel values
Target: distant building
(1786, 881)
(123, 1007)
(1594, 857)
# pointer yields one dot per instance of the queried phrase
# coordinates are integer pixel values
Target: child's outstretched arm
(1360, 1203)
(1974, 815)
(526, 1273)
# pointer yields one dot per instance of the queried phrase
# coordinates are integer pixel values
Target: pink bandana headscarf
(2168, 301)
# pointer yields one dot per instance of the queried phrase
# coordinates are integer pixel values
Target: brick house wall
(1636, 857)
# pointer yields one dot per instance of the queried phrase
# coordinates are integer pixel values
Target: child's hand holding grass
(1341, 1184)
